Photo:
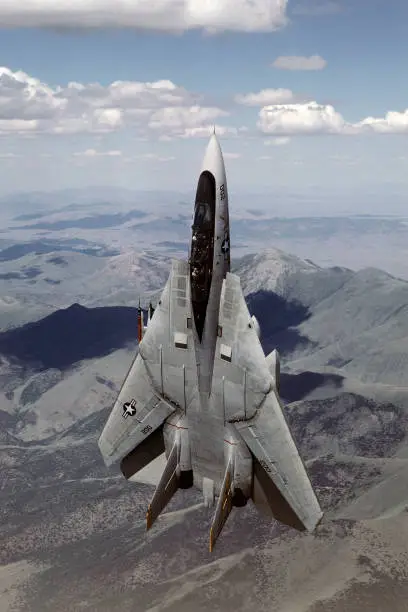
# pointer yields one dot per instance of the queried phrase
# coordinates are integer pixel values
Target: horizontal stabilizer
(224, 504)
(168, 485)
(281, 484)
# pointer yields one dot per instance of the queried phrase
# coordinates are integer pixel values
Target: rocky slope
(72, 532)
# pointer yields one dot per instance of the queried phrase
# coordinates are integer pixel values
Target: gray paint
(212, 400)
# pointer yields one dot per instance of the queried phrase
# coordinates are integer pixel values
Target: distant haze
(330, 229)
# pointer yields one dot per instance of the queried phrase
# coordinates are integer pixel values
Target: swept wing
(245, 386)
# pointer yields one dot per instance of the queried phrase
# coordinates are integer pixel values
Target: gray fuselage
(209, 263)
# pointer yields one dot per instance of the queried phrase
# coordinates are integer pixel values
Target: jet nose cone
(214, 145)
(213, 159)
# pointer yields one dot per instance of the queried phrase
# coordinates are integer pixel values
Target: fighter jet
(202, 390)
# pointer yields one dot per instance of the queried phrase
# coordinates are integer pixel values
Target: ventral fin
(168, 485)
(224, 504)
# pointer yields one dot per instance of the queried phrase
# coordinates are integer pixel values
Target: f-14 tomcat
(201, 389)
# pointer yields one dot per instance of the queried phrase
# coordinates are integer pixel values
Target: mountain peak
(263, 270)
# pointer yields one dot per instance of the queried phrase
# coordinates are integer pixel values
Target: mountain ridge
(83, 525)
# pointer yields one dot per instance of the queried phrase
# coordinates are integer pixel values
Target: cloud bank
(163, 110)
(308, 118)
(314, 118)
(266, 96)
(28, 106)
(161, 15)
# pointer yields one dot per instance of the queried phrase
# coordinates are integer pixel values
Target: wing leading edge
(281, 485)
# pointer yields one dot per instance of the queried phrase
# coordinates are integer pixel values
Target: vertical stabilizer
(224, 504)
(168, 485)
(139, 323)
(150, 313)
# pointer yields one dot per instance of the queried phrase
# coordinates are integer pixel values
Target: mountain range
(72, 532)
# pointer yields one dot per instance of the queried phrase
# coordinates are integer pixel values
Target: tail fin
(168, 485)
(141, 327)
(224, 504)
(150, 313)
(273, 361)
(139, 323)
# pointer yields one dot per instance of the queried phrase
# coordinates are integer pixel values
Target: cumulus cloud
(165, 15)
(28, 106)
(163, 110)
(308, 118)
(299, 62)
(314, 118)
(266, 97)
(394, 122)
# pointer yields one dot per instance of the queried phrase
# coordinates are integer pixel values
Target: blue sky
(343, 144)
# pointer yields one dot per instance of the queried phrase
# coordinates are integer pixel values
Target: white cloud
(277, 142)
(289, 162)
(231, 155)
(206, 130)
(25, 98)
(28, 106)
(110, 117)
(307, 118)
(393, 123)
(179, 118)
(18, 126)
(299, 62)
(95, 153)
(266, 97)
(163, 110)
(314, 118)
(166, 15)
(155, 157)
(149, 157)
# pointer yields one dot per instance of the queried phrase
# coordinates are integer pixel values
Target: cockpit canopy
(202, 216)
(202, 248)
